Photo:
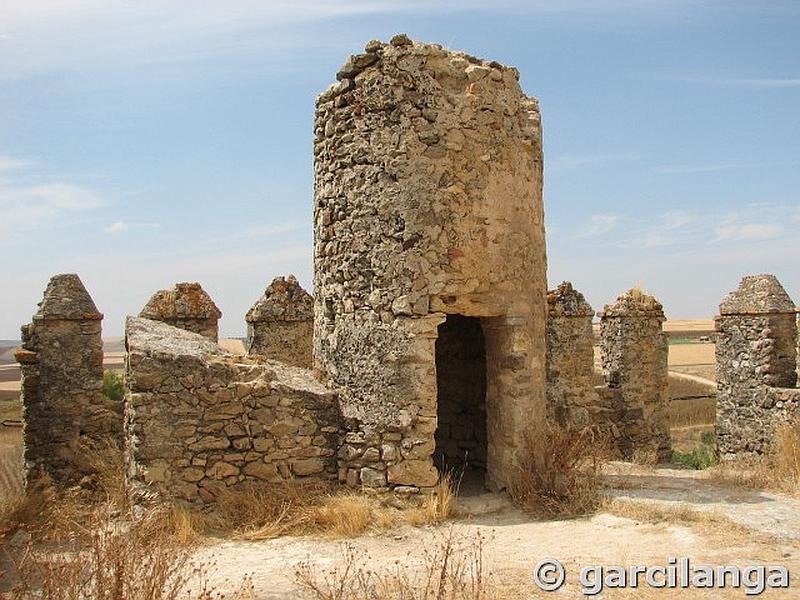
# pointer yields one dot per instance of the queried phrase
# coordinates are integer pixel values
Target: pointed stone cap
(566, 301)
(284, 300)
(183, 301)
(757, 294)
(634, 303)
(66, 299)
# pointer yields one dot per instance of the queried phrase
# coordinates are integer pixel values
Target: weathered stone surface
(572, 401)
(233, 419)
(634, 356)
(280, 325)
(65, 413)
(427, 203)
(756, 365)
(187, 306)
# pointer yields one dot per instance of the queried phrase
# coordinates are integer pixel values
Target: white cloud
(25, 206)
(599, 225)
(568, 162)
(122, 226)
(8, 163)
(743, 82)
(748, 232)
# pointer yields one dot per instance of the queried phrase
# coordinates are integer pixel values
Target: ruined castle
(431, 343)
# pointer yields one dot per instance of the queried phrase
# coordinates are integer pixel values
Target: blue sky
(147, 143)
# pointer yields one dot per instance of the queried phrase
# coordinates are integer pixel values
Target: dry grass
(454, 569)
(313, 508)
(113, 559)
(678, 514)
(779, 470)
(559, 475)
(438, 506)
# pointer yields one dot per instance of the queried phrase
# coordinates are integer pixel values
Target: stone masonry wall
(572, 401)
(427, 202)
(634, 356)
(199, 420)
(281, 324)
(66, 417)
(187, 306)
(756, 365)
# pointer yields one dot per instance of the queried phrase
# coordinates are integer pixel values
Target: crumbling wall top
(470, 67)
(183, 301)
(284, 300)
(566, 301)
(634, 303)
(66, 298)
(757, 294)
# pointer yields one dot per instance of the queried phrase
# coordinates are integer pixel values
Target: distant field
(10, 462)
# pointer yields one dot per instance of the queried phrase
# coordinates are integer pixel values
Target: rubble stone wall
(634, 357)
(427, 203)
(756, 365)
(281, 324)
(199, 420)
(187, 306)
(572, 400)
(65, 415)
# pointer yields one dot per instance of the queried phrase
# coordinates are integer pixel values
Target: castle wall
(199, 420)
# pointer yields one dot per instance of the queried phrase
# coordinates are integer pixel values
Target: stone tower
(756, 364)
(61, 359)
(187, 306)
(429, 264)
(280, 324)
(634, 349)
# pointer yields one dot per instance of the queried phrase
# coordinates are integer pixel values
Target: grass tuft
(559, 472)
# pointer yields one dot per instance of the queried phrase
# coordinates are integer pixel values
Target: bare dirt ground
(708, 523)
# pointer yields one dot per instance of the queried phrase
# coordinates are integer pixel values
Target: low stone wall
(199, 419)
(756, 366)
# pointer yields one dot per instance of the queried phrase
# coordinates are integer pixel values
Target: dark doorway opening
(461, 401)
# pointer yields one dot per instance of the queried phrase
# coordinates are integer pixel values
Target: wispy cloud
(26, 206)
(748, 232)
(743, 82)
(123, 226)
(569, 162)
(8, 163)
(599, 225)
